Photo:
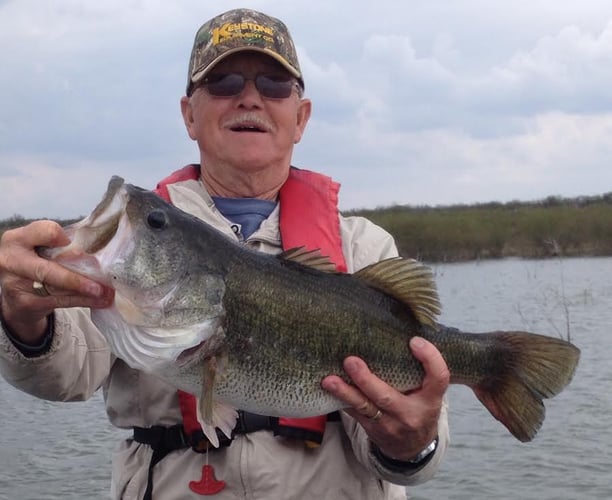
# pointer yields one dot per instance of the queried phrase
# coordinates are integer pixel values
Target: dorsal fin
(310, 258)
(409, 281)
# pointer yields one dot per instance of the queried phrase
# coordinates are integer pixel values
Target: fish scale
(340, 322)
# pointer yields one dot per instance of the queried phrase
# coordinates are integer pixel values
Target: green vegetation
(551, 227)
(548, 228)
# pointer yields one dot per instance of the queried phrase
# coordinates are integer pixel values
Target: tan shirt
(255, 466)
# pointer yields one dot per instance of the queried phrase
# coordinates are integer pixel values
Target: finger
(362, 406)
(77, 300)
(62, 281)
(64, 298)
(19, 258)
(348, 394)
(42, 233)
(437, 374)
(376, 390)
(21, 302)
(356, 403)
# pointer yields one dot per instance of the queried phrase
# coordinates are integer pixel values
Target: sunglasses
(232, 84)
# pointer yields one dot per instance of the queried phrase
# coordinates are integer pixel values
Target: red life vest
(304, 192)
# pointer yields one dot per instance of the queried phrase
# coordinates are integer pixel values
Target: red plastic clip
(208, 485)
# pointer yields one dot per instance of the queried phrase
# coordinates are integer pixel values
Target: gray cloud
(414, 102)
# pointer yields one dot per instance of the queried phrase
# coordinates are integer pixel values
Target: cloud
(426, 102)
(444, 165)
(569, 72)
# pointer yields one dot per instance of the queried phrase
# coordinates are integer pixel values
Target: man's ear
(187, 112)
(303, 115)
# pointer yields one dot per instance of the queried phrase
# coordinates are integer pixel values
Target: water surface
(571, 456)
(62, 450)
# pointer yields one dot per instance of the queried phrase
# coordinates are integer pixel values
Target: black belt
(164, 440)
(174, 438)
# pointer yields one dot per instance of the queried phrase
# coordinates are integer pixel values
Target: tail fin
(529, 368)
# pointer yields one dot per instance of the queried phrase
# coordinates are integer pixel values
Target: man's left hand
(401, 425)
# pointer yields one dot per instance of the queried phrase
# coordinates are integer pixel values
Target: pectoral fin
(214, 414)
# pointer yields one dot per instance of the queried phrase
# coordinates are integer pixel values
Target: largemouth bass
(242, 329)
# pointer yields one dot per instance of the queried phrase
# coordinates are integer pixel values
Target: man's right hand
(22, 308)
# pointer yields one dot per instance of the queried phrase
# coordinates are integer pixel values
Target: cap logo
(250, 32)
(240, 30)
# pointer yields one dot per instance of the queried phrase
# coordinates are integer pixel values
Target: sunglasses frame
(264, 82)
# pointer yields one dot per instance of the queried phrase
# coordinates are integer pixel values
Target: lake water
(62, 451)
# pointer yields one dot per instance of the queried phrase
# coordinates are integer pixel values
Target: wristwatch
(404, 465)
(431, 447)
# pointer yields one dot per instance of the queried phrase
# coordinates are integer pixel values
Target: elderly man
(245, 109)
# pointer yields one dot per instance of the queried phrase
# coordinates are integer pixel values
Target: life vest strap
(173, 438)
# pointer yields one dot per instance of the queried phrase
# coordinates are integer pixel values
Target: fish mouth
(92, 234)
(104, 220)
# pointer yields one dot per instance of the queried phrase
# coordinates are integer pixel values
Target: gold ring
(375, 417)
(40, 289)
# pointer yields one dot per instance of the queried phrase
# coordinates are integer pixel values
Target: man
(244, 108)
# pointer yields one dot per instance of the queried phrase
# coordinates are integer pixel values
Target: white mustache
(248, 120)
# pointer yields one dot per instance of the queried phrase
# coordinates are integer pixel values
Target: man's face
(247, 131)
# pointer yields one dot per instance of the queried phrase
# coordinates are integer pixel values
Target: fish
(242, 329)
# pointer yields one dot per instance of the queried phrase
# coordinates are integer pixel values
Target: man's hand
(407, 423)
(24, 310)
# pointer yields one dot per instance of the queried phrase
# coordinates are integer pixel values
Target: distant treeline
(551, 227)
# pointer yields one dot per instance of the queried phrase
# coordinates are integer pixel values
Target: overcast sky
(414, 102)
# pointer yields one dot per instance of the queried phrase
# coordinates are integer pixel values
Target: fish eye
(157, 219)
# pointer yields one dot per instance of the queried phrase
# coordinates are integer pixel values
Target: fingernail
(351, 365)
(94, 289)
(329, 385)
(417, 342)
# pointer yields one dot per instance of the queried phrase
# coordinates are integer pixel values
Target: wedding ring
(375, 417)
(40, 289)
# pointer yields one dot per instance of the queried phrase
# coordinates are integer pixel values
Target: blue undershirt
(247, 213)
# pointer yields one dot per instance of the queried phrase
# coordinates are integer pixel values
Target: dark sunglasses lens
(225, 85)
(273, 88)
(229, 85)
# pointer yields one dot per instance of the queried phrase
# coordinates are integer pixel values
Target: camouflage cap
(239, 30)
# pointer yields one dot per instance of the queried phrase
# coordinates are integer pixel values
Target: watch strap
(420, 460)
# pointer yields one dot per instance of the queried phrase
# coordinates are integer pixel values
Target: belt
(164, 440)
(174, 437)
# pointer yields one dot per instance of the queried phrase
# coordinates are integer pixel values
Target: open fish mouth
(92, 234)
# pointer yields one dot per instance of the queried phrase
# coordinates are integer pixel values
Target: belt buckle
(201, 444)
